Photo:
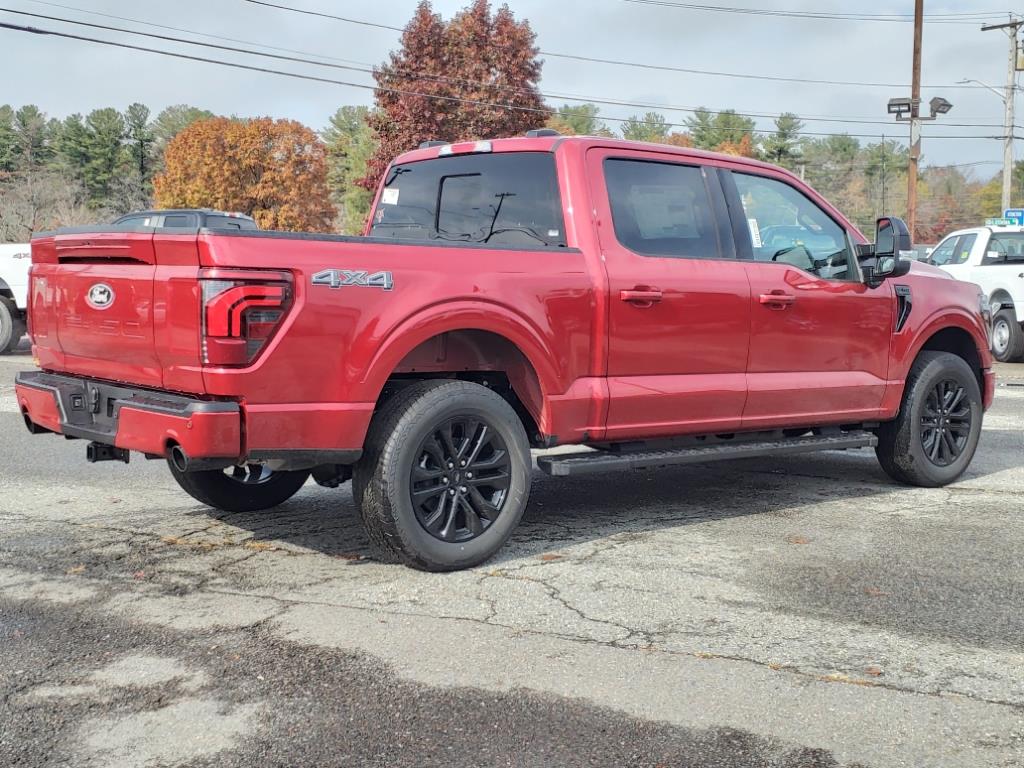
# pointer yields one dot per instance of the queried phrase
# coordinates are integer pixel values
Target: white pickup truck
(993, 258)
(15, 259)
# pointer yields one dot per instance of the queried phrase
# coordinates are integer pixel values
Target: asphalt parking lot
(799, 611)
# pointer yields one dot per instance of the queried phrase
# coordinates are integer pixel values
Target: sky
(65, 76)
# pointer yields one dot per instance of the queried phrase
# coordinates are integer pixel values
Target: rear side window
(135, 221)
(661, 209)
(229, 222)
(508, 198)
(1005, 247)
(179, 221)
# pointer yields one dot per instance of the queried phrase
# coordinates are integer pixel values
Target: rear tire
(445, 477)
(1007, 337)
(934, 437)
(12, 326)
(240, 489)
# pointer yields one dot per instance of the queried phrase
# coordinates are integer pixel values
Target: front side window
(508, 198)
(661, 209)
(786, 226)
(943, 253)
(963, 249)
(1005, 247)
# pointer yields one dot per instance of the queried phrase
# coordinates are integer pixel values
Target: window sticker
(755, 232)
(390, 196)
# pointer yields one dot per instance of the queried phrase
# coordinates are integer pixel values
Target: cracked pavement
(799, 611)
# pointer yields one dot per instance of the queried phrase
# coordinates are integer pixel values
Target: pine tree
(651, 127)
(350, 143)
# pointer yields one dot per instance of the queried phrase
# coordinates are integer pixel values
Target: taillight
(241, 311)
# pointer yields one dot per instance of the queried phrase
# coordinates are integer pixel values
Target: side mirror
(890, 266)
(892, 240)
(891, 237)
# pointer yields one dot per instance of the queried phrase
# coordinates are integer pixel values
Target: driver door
(819, 337)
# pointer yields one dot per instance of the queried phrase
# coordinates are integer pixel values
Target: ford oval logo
(100, 296)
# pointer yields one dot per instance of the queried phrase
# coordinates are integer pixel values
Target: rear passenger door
(819, 337)
(678, 303)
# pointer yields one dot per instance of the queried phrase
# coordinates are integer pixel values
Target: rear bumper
(285, 436)
(133, 419)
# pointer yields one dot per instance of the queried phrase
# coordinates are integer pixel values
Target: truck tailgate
(95, 310)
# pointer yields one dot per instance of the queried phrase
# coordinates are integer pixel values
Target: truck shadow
(564, 512)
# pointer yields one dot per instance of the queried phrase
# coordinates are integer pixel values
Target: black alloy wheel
(945, 422)
(460, 479)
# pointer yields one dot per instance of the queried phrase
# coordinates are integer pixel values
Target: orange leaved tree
(273, 170)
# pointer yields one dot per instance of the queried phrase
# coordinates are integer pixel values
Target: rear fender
(404, 340)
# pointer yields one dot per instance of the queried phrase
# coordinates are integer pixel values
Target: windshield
(508, 198)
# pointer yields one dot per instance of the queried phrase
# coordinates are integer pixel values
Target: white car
(15, 259)
(993, 258)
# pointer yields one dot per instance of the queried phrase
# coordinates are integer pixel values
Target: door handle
(778, 300)
(642, 298)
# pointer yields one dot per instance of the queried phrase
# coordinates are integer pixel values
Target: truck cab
(993, 259)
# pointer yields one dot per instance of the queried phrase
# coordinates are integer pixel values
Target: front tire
(445, 477)
(248, 488)
(1007, 337)
(934, 437)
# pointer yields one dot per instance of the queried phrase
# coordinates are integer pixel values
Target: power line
(641, 65)
(327, 16)
(194, 32)
(828, 118)
(935, 18)
(555, 96)
(384, 89)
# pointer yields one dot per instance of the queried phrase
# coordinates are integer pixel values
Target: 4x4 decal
(341, 278)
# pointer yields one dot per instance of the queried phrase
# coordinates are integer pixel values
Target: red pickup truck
(659, 306)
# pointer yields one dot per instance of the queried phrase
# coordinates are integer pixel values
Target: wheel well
(1003, 299)
(485, 358)
(958, 342)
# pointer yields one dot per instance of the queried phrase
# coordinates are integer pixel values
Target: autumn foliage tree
(472, 77)
(273, 170)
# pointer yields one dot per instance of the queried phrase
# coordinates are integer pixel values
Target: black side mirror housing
(892, 240)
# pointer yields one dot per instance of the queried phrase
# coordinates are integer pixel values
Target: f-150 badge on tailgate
(342, 278)
(100, 296)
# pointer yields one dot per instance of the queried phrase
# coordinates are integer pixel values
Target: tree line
(473, 76)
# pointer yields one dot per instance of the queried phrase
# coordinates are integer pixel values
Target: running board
(604, 461)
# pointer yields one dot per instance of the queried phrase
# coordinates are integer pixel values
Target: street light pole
(1008, 104)
(915, 125)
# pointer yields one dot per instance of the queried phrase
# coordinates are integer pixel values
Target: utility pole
(884, 150)
(1012, 29)
(915, 124)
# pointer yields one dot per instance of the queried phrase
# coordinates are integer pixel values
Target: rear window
(500, 199)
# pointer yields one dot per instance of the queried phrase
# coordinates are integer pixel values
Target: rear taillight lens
(241, 312)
